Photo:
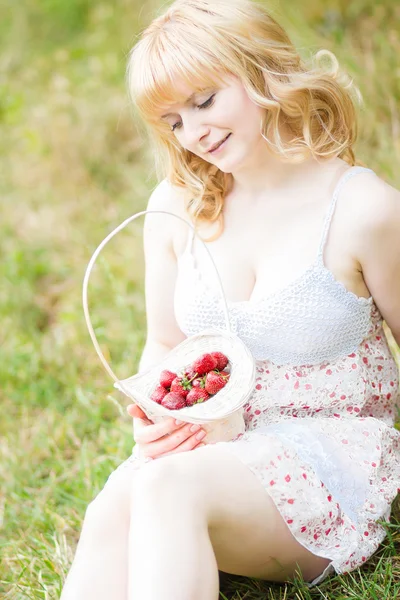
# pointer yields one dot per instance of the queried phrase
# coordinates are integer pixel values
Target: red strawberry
(159, 394)
(173, 401)
(181, 386)
(196, 395)
(198, 382)
(204, 364)
(221, 359)
(166, 378)
(190, 373)
(215, 382)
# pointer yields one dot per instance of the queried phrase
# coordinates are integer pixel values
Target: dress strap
(342, 180)
(189, 244)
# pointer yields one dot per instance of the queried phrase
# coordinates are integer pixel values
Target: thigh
(248, 534)
(111, 506)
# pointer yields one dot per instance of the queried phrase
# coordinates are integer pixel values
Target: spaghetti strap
(342, 180)
(189, 244)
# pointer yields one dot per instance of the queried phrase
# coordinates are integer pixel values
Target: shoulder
(171, 201)
(373, 207)
(371, 197)
(376, 228)
(166, 196)
(368, 209)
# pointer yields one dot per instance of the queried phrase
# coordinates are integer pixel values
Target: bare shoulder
(169, 199)
(376, 228)
(371, 197)
(374, 202)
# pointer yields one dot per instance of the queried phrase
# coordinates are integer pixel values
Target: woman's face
(214, 115)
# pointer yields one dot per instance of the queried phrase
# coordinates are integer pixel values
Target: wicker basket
(222, 415)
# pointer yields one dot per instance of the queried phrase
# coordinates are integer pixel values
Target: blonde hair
(200, 42)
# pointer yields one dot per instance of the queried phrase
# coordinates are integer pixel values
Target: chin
(219, 165)
(224, 169)
(228, 166)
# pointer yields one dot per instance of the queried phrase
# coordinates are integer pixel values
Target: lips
(218, 144)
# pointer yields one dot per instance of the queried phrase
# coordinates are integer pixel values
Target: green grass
(74, 166)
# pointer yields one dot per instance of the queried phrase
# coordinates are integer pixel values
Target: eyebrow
(186, 103)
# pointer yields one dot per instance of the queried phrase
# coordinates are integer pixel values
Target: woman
(256, 148)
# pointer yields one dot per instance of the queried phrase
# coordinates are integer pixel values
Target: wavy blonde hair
(201, 41)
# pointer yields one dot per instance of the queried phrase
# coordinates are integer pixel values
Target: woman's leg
(99, 569)
(197, 512)
(170, 553)
(188, 514)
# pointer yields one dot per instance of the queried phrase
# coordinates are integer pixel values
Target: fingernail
(195, 428)
(200, 435)
(178, 422)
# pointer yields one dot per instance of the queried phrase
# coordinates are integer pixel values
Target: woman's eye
(205, 104)
(208, 102)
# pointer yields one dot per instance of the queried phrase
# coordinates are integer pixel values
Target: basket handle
(93, 260)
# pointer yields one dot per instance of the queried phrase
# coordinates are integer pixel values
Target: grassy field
(73, 166)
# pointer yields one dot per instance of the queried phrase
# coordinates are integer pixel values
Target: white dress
(319, 424)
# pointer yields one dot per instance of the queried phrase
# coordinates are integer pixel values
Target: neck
(265, 171)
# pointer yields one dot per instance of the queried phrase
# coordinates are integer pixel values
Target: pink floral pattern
(331, 417)
(320, 439)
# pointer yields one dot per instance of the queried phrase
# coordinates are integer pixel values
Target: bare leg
(170, 552)
(187, 515)
(196, 512)
(99, 569)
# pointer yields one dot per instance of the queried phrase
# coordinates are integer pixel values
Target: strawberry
(215, 382)
(159, 394)
(198, 382)
(190, 373)
(166, 378)
(204, 364)
(181, 385)
(173, 401)
(221, 359)
(196, 395)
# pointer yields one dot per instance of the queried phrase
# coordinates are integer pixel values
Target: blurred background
(73, 165)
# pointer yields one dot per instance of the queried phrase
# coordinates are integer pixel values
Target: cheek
(245, 117)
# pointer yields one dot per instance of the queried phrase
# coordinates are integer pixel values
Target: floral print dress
(320, 433)
(321, 440)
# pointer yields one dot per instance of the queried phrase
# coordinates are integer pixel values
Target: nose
(195, 132)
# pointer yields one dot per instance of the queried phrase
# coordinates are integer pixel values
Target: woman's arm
(163, 333)
(379, 249)
(153, 353)
(159, 230)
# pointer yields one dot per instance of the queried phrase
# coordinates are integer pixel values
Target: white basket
(221, 415)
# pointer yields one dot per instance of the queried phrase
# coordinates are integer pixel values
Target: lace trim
(346, 481)
(312, 319)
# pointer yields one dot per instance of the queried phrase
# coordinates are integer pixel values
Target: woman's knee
(165, 478)
(125, 488)
(111, 506)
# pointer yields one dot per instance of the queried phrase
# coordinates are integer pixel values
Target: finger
(164, 443)
(174, 440)
(159, 430)
(190, 444)
(135, 411)
(140, 425)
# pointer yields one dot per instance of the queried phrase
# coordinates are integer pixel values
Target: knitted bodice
(313, 319)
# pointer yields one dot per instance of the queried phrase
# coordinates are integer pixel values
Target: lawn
(74, 165)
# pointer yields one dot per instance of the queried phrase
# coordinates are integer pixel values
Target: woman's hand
(164, 438)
